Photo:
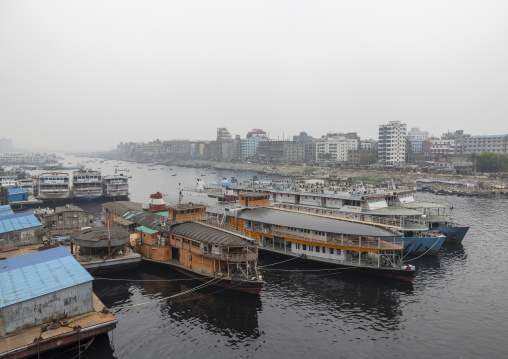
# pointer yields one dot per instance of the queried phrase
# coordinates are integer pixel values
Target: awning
(146, 230)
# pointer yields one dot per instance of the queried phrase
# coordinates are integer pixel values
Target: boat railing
(353, 243)
(363, 217)
(215, 223)
(249, 256)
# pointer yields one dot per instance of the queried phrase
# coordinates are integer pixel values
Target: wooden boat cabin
(181, 238)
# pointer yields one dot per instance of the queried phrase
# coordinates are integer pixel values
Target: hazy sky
(86, 75)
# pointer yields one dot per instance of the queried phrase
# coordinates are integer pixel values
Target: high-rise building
(5, 145)
(392, 143)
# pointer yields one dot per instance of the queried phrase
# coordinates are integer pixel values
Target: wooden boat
(179, 238)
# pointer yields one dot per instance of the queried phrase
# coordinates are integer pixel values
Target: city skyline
(84, 76)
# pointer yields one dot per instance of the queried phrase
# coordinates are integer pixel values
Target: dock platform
(41, 338)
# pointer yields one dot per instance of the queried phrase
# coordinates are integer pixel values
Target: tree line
(490, 162)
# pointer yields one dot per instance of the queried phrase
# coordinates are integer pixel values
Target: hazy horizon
(87, 75)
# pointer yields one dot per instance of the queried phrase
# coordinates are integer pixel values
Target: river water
(456, 307)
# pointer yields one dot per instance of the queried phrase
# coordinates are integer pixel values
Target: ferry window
(317, 249)
(339, 251)
(331, 250)
(324, 250)
(177, 239)
(185, 240)
(304, 247)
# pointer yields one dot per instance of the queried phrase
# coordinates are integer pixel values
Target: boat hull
(453, 234)
(87, 194)
(422, 245)
(236, 285)
(393, 273)
(53, 195)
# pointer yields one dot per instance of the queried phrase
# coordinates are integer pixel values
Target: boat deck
(356, 243)
(357, 262)
(27, 342)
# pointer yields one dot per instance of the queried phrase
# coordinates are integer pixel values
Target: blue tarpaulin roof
(16, 191)
(5, 210)
(39, 273)
(18, 221)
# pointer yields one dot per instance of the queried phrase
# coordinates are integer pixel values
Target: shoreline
(482, 185)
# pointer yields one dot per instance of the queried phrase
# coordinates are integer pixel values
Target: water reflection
(336, 298)
(216, 309)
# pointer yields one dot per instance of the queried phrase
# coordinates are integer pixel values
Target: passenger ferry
(28, 184)
(115, 186)
(181, 238)
(53, 185)
(437, 216)
(352, 245)
(363, 206)
(87, 183)
(8, 181)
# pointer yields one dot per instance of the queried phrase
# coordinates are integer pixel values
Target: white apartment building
(392, 143)
(249, 146)
(337, 148)
(442, 146)
(417, 134)
(479, 144)
(416, 138)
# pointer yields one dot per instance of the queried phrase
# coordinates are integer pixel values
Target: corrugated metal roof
(122, 221)
(39, 273)
(147, 219)
(18, 221)
(16, 191)
(311, 222)
(122, 207)
(207, 234)
(5, 210)
(146, 230)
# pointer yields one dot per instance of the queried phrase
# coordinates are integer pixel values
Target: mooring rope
(144, 280)
(269, 265)
(427, 251)
(210, 282)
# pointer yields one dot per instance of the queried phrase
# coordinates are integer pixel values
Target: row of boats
(373, 231)
(85, 183)
(425, 224)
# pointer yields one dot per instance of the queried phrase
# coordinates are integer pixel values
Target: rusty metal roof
(207, 234)
(122, 207)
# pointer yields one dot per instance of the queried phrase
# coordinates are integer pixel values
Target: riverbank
(478, 184)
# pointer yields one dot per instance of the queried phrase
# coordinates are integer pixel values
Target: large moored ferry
(87, 183)
(340, 243)
(363, 206)
(53, 185)
(115, 186)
